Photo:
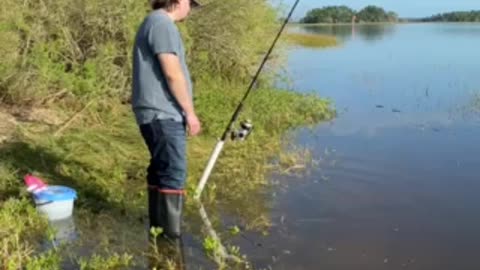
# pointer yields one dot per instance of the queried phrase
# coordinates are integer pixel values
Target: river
(397, 180)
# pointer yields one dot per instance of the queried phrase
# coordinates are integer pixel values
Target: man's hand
(193, 124)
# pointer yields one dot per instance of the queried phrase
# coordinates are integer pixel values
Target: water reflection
(63, 233)
(373, 32)
(464, 29)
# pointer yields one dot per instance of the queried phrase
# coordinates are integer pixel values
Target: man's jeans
(166, 141)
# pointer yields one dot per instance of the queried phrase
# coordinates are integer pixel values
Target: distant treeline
(344, 14)
(458, 16)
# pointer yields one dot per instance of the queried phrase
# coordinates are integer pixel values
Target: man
(163, 106)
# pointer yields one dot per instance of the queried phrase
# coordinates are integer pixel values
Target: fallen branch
(70, 121)
(52, 97)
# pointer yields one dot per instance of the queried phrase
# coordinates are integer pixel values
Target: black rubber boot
(165, 211)
(172, 214)
(155, 209)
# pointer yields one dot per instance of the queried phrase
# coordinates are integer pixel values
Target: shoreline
(90, 153)
(376, 23)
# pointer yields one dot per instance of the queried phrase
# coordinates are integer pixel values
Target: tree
(344, 14)
(372, 14)
(392, 16)
(458, 16)
(329, 14)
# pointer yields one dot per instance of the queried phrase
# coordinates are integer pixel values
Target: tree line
(457, 16)
(344, 14)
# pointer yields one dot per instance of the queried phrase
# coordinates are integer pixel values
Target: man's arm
(178, 85)
(177, 82)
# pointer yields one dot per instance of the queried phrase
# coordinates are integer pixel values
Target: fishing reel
(243, 132)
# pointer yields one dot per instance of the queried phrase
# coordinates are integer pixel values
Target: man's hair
(166, 4)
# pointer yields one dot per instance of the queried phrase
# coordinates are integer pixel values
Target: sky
(405, 8)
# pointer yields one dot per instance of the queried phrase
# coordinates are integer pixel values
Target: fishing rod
(246, 126)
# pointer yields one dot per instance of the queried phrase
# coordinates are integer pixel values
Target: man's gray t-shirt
(151, 96)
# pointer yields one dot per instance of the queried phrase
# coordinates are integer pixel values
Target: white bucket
(56, 202)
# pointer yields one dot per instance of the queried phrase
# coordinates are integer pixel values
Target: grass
(103, 157)
(346, 23)
(311, 40)
(21, 231)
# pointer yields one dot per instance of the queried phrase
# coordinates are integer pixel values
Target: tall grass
(105, 160)
(71, 50)
(311, 40)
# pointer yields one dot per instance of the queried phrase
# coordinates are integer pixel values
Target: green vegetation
(311, 40)
(105, 161)
(330, 14)
(375, 14)
(20, 228)
(344, 14)
(458, 16)
(73, 58)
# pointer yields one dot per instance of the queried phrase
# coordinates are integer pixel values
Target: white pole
(208, 169)
(220, 253)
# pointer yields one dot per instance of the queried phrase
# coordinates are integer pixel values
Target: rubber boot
(155, 209)
(165, 211)
(167, 214)
(172, 214)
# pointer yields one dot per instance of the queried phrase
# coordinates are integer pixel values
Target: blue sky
(405, 8)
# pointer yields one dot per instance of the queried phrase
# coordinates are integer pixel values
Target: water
(396, 186)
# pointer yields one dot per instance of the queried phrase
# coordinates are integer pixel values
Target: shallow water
(396, 186)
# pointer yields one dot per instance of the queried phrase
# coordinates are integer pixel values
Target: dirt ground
(10, 118)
